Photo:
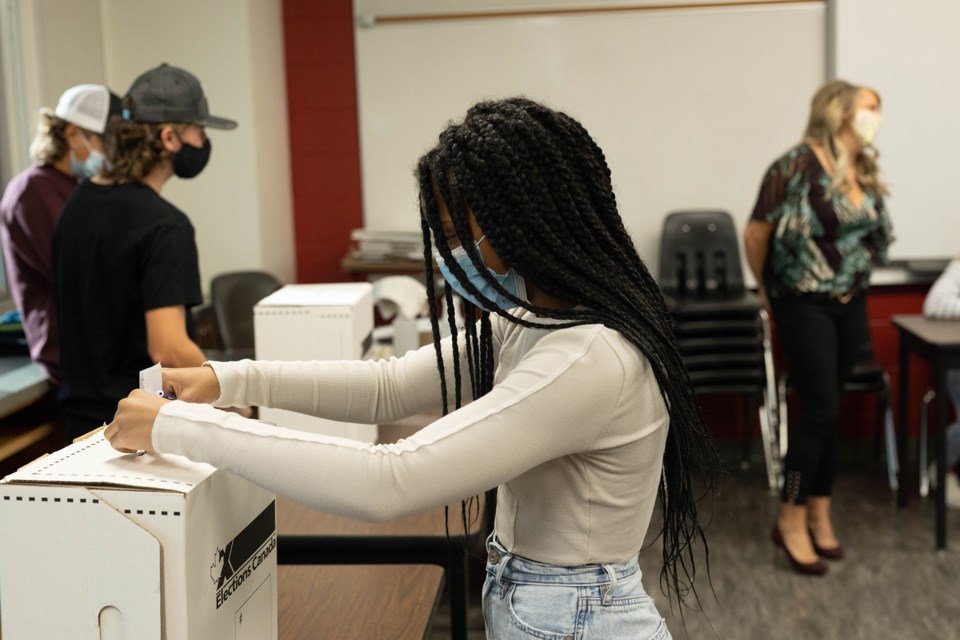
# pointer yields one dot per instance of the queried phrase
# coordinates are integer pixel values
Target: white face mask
(865, 125)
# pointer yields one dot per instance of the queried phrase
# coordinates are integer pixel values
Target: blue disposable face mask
(510, 281)
(89, 167)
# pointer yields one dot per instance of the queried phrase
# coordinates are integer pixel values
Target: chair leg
(928, 398)
(893, 463)
(882, 402)
(770, 450)
(459, 589)
(889, 434)
(782, 406)
(749, 407)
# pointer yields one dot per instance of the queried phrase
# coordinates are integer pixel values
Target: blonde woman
(818, 227)
(125, 261)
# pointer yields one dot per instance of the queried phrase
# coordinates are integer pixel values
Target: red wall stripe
(324, 140)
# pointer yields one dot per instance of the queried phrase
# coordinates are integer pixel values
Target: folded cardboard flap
(90, 434)
(68, 555)
(93, 462)
(133, 591)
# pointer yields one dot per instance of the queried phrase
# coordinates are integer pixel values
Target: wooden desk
(309, 537)
(937, 342)
(354, 601)
(352, 264)
(357, 601)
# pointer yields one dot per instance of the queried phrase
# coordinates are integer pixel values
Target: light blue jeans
(524, 599)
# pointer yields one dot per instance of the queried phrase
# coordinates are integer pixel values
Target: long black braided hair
(539, 188)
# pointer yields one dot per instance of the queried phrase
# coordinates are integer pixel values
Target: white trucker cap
(89, 106)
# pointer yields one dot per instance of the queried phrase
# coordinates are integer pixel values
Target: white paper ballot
(151, 379)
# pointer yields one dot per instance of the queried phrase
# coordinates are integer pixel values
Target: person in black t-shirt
(125, 261)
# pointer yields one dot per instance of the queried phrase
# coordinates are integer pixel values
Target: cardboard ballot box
(315, 322)
(100, 545)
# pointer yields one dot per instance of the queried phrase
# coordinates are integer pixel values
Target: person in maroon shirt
(68, 147)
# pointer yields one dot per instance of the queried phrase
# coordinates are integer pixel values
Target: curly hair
(834, 105)
(540, 189)
(49, 144)
(134, 149)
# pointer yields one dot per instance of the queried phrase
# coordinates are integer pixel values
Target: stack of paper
(383, 245)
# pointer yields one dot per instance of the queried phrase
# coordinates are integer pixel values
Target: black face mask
(190, 160)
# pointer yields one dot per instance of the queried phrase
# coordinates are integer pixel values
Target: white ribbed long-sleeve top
(572, 434)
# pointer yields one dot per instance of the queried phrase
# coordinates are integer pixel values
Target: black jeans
(821, 339)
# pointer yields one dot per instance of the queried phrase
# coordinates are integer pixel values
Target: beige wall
(47, 47)
(70, 45)
(241, 204)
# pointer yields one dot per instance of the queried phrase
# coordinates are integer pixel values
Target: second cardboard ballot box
(315, 322)
(100, 545)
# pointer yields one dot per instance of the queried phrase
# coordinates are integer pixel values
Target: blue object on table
(11, 318)
(12, 339)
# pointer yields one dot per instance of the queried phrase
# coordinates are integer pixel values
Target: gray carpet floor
(893, 584)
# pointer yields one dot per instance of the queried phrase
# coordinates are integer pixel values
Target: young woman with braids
(568, 393)
(818, 227)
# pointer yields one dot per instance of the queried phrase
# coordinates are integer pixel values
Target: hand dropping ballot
(99, 545)
(151, 381)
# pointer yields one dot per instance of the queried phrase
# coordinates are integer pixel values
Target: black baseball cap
(170, 94)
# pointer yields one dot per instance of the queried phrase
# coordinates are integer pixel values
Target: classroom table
(937, 342)
(354, 601)
(309, 537)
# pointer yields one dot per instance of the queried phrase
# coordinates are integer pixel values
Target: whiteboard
(908, 52)
(389, 9)
(690, 105)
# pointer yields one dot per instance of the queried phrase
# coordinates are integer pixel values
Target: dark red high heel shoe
(833, 553)
(817, 568)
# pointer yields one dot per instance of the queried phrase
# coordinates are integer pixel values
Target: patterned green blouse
(821, 245)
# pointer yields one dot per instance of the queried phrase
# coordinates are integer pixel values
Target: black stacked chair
(722, 330)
